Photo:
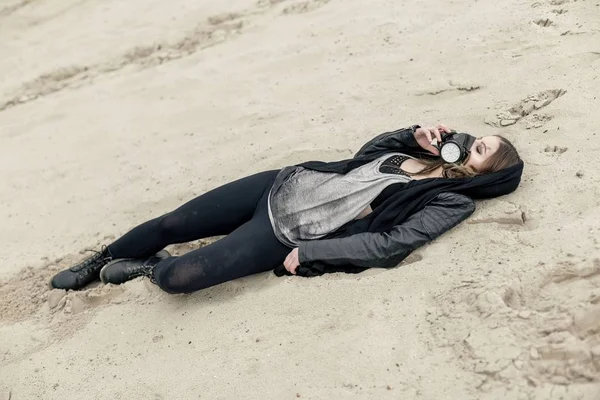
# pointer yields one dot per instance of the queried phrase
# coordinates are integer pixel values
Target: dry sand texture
(113, 112)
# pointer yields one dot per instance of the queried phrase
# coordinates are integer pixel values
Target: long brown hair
(506, 156)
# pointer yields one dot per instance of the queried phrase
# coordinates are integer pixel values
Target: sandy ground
(113, 112)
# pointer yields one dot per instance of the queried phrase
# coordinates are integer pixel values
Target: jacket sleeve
(387, 249)
(391, 141)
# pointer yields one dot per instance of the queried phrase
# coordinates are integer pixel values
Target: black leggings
(238, 210)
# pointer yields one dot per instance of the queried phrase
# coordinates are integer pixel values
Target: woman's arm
(387, 249)
(401, 138)
(406, 139)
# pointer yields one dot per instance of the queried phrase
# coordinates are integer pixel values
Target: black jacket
(362, 244)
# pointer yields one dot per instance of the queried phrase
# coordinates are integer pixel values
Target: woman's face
(483, 148)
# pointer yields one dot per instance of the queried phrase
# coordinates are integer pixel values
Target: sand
(114, 112)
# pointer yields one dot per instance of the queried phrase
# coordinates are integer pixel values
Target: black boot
(83, 273)
(123, 270)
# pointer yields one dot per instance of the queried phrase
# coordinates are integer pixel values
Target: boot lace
(100, 257)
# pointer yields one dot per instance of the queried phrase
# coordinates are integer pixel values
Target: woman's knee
(170, 225)
(178, 276)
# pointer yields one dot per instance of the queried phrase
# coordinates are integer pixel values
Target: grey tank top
(307, 205)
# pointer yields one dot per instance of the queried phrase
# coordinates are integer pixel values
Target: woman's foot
(126, 269)
(83, 273)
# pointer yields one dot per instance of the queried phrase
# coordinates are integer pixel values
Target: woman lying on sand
(401, 190)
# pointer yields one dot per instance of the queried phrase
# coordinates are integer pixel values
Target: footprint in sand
(524, 107)
(555, 150)
(549, 326)
(573, 358)
(537, 120)
(544, 22)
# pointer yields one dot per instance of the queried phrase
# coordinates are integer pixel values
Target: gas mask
(455, 148)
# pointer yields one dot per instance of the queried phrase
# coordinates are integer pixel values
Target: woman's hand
(291, 261)
(427, 137)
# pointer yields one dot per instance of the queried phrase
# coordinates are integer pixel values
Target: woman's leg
(250, 249)
(217, 212)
